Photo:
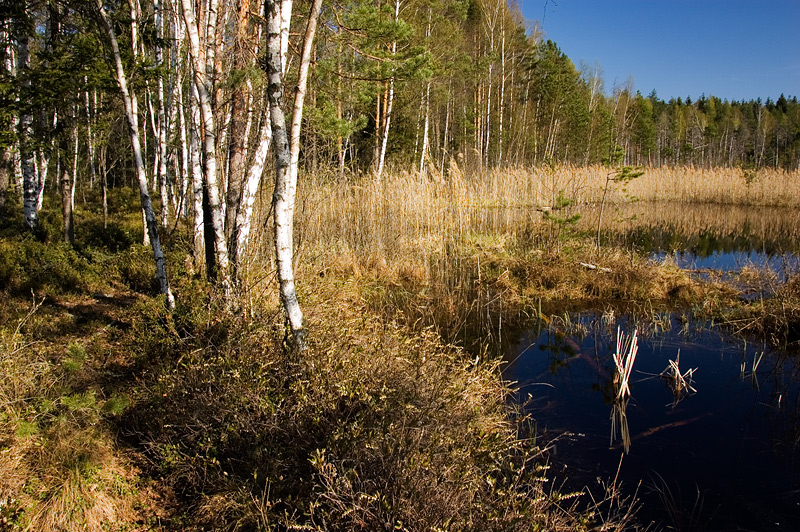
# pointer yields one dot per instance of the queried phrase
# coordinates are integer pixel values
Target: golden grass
(60, 469)
(408, 215)
(687, 184)
(471, 256)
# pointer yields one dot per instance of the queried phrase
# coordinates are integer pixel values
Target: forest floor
(118, 415)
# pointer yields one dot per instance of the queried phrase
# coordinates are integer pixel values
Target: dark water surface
(724, 458)
(707, 236)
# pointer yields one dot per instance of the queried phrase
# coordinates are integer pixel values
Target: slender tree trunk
(390, 101)
(197, 181)
(30, 181)
(181, 210)
(163, 124)
(68, 232)
(238, 138)
(339, 139)
(425, 127)
(133, 130)
(283, 194)
(286, 20)
(299, 99)
(202, 83)
(502, 87)
(245, 215)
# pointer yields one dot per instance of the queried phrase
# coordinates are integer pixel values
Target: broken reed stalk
(681, 382)
(624, 357)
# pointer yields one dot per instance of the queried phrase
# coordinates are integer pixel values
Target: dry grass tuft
(59, 466)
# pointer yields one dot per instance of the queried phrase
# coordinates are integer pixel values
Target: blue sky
(733, 49)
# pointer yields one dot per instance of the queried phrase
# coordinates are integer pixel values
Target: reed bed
(768, 187)
(410, 211)
(470, 255)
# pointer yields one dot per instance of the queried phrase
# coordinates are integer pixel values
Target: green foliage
(112, 238)
(75, 358)
(560, 227)
(136, 269)
(750, 175)
(47, 269)
(618, 174)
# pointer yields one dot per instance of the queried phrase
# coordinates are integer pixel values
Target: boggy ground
(118, 415)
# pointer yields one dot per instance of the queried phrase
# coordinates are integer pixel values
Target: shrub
(47, 269)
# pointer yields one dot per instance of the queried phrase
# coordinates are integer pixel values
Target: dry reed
(688, 184)
(679, 382)
(624, 357)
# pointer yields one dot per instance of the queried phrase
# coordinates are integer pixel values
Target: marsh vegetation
(116, 410)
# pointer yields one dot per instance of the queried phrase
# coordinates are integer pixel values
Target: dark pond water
(702, 237)
(724, 458)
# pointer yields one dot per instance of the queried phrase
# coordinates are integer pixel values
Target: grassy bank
(116, 415)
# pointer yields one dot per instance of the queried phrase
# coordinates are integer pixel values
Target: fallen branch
(593, 267)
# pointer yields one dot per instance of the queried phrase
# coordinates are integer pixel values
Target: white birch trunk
(182, 125)
(245, 215)
(197, 181)
(427, 106)
(425, 127)
(283, 224)
(133, 131)
(299, 99)
(209, 140)
(384, 140)
(162, 118)
(30, 182)
(502, 88)
(286, 21)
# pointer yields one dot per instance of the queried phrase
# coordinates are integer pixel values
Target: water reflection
(619, 424)
(702, 236)
(736, 441)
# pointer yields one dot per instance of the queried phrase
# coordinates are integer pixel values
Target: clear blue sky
(733, 49)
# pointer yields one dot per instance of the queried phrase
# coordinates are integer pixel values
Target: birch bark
(202, 84)
(131, 114)
(286, 159)
(30, 181)
(390, 100)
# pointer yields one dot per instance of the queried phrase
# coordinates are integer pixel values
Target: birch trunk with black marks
(389, 103)
(30, 178)
(163, 124)
(201, 70)
(131, 113)
(285, 171)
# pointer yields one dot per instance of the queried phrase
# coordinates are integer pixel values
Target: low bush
(47, 269)
(372, 428)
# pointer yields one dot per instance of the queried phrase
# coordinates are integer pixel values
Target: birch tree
(202, 64)
(286, 150)
(389, 103)
(30, 178)
(131, 114)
